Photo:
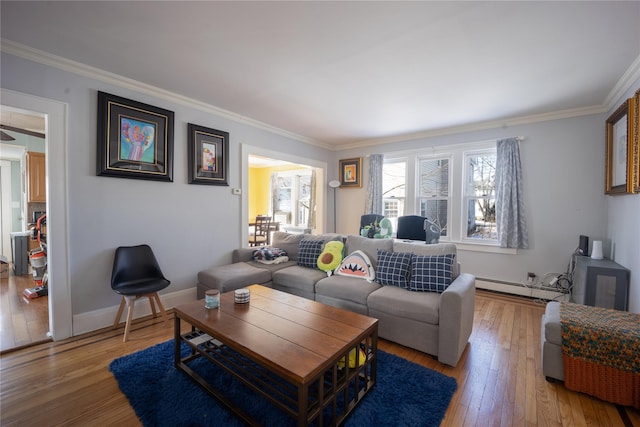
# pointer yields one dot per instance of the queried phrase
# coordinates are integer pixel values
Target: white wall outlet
(236, 191)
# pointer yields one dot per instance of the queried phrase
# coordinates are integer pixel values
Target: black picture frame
(208, 155)
(135, 140)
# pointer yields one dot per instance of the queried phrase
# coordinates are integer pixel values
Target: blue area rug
(405, 394)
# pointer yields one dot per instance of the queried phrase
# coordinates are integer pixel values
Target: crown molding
(84, 70)
(45, 58)
(502, 123)
(624, 84)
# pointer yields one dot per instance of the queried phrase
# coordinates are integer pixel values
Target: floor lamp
(334, 184)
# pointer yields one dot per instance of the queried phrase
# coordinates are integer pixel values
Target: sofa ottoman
(231, 277)
(551, 339)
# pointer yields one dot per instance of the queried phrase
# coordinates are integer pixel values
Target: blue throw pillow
(308, 252)
(393, 268)
(431, 273)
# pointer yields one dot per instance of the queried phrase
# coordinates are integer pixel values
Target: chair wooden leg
(160, 308)
(151, 298)
(131, 302)
(119, 315)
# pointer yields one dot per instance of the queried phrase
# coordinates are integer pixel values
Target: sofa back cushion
(287, 242)
(291, 242)
(434, 249)
(368, 246)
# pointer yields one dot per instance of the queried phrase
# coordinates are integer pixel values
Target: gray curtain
(510, 218)
(373, 204)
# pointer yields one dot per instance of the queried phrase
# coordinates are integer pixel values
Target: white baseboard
(516, 289)
(98, 319)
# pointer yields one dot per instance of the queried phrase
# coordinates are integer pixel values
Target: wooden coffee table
(297, 350)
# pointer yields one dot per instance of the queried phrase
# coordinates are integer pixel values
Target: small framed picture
(208, 155)
(135, 140)
(351, 172)
(620, 155)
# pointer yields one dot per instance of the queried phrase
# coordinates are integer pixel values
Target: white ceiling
(340, 73)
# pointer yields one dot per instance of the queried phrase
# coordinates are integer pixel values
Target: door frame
(55, 114)
(321, 183)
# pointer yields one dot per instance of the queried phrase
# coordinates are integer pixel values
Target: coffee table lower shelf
(325, 400)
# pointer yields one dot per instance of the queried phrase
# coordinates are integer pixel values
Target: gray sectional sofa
(434, 322)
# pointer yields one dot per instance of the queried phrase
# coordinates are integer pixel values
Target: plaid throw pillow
(393, 268)
(308, 253)
(431, 273)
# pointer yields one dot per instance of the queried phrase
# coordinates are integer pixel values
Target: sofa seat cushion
(233, 276)
(271, 267)
(419, 306)
(297, 277)
(346, 288)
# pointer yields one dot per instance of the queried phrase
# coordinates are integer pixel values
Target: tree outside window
(480, 196)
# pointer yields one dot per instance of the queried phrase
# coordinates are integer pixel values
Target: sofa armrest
(242, 254)
(457, 306)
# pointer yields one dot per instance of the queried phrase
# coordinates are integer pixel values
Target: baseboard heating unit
(521, 290)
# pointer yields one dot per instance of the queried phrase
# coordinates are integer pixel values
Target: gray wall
(190, 227)
(622, 243)
(194, 227)
(563, 172)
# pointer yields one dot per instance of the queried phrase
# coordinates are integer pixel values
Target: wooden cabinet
(36, 177)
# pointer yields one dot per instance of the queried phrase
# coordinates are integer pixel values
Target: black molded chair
(261, 232)
(411, 227)
(368, 219)
(136, 274)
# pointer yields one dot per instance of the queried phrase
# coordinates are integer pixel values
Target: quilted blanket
(601, 352)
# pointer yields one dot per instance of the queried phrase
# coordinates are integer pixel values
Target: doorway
(299, 205)
(55, 116)
(25, 320)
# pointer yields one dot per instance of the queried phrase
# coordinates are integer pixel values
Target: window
(453, 186)
(304, 198)
(479, 195)
(394, 177)
(293, 197)
(433, 195)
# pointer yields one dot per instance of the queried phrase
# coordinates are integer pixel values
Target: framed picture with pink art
(208, 155)
(135, 140)
(351, 172)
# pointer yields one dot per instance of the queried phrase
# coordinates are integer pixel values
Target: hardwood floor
(499, 376)
(23, 321)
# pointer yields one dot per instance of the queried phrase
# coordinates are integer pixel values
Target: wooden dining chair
(261, 231)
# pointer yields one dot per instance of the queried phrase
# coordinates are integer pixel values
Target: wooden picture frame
(621, 155)
(135, 140)
(208, 155)
(351, 173)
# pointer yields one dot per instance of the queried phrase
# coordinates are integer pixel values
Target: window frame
(418, 198)
(457, 212)
(464, 238)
